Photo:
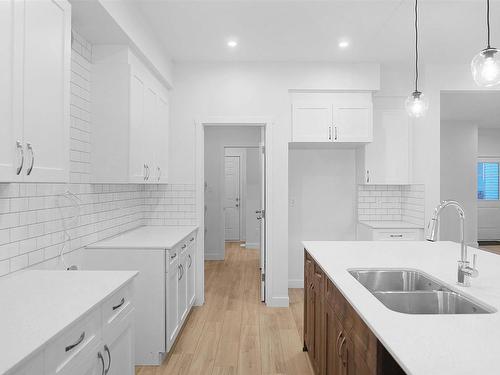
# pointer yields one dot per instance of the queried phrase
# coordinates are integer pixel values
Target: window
(487, 180)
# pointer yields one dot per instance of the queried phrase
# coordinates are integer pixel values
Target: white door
(119, 353)
(137, 164)
(232, 198)
(311, 122)
(182, 278)
(10, 137)
(172, 288)
(261, 215)
(91, 364)
(46, 70)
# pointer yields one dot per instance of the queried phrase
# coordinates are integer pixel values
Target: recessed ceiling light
(343, 44)
(232, 43)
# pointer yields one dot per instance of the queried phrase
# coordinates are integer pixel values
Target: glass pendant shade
(416, 104)
(485, 67)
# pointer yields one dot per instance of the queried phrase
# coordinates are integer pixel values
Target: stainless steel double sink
(414, 292)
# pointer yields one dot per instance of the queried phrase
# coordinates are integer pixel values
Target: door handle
(21, 149)
(30, 148)
(106, 349)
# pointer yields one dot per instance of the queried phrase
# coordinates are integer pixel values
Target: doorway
(234, 193)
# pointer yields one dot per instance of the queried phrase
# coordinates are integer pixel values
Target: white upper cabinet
(387, 159)
(332, 117)
(130, 133)
(34, 96)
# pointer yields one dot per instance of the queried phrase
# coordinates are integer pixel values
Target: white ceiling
(479, 107)
(308, 30)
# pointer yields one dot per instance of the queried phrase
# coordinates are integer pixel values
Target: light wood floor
(234, 333)
(491, 248)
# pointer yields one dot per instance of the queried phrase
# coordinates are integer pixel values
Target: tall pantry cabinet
(131, 115)
(35, 57)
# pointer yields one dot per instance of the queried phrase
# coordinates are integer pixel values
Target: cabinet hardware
(19, 146)
(339, 351)
(144, 171)
(329, 133)
(192, 239)
(184, 246)
(190, 261)
(30, 148)
(147, 172)
(181, 271)
(336, 133)
(173, 256)
(78, 342)
(119, 305)
(101, 358)
(337, 342)
(159, 173)
(396, 236)
(367, 176)
(106, 349)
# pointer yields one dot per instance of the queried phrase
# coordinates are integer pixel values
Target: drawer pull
(173, 256)
(106, 349)
(192, 239)
(78, 342)
(119, 305)
(184, 246)
(396, 236)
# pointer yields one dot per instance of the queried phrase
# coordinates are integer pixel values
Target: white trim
(296, 283)
(200, 125)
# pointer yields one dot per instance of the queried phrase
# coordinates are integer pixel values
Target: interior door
(232, 198)
(261, 215)
(47, 54)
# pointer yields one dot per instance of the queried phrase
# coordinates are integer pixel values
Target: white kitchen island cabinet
(35, 90)
(165, 259)
(54, 330)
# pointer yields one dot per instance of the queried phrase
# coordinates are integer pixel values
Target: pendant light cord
(488, 21)
(416, 45)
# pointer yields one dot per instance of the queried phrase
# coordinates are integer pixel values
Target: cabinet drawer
(116, 306)
(397, 235)
(76, 341)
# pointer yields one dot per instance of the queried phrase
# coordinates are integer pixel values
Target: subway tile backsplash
(391, 202)
(31, 224)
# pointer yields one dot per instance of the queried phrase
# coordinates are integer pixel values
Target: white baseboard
(278, 302)
(296, 283)
(252, 245)
(214, 256)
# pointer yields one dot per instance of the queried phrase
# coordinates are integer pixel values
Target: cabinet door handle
(339, 351)
(190, 261)
(106, 349)
(30, 148)
(367, 176)
(337, 341)
(173, 256)
(78, 342)
(101, 358)
(192, 239)
(19, 146)
(179, 277)
(147, 172)
(336, 133)
(119, 305)
(329, 133)
(184, 246)
(159, 173)
(144, 171)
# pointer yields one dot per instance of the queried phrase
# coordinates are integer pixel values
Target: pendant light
(485, 65)
(416, 104)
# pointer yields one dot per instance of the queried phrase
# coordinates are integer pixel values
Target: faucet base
(463, 275)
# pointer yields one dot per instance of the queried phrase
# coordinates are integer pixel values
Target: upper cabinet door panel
(162, 139)
(353, 117)
(10, 152)
(46, 75)
(311, 123)
(137, 129)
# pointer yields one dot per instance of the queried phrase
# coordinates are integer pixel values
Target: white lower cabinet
(164, 291)
(367, 233)
(93, 345)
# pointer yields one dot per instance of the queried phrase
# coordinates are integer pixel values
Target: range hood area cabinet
(131, 119)
(386, 160)
(35, 90)
(332, 117)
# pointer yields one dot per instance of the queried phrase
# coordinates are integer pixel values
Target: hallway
(234, 333)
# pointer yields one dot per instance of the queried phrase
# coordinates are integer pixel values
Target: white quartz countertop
(421, 344)
(391, 224)
(147, 237)
(37, 305)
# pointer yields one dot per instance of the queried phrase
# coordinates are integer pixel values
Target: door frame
(200, 125)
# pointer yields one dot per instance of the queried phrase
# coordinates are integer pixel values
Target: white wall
(459, 145)
(216, 138)
(255, 89)
(322, 195)
(489, 143)
(253, 199)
